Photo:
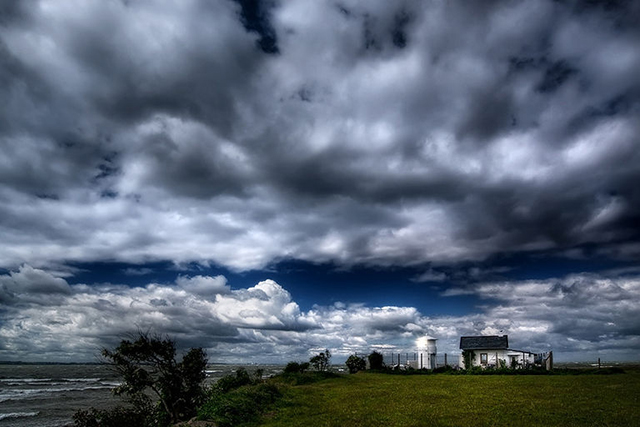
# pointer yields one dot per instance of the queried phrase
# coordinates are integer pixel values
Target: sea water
(49, 395)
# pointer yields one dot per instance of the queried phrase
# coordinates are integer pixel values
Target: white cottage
(490, 350)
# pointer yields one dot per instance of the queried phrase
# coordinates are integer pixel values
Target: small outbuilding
(492, 351)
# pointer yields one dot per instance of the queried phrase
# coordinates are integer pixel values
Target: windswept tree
(148, 367)
(322, 361)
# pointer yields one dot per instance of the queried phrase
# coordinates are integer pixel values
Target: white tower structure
(427, 351)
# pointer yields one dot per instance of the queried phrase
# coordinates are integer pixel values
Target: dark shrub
(296, 368)
(443, 369)
(356, 363)
(240, 405)
(231, 382)
(376, 361)
(609, 371)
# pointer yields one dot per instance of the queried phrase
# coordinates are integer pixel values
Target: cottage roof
(484, 342)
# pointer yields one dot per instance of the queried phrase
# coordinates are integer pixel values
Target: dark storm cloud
(142, 63)
(12, 11)
(244, 132)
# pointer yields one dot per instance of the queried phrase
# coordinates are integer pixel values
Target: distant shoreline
(8, 362)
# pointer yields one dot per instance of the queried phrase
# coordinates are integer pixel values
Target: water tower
(427, 351)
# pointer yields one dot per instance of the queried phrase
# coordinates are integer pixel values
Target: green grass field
(462, 400)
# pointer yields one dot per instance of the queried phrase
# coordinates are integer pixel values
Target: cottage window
(484, 358)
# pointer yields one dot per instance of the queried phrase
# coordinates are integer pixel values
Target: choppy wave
(45, 380)
(18, 415)
(17, 394)
(111, 383)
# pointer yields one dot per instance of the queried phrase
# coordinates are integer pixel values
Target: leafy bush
(238, 398)
(231, 382)
(591, 371)
(479, 370)
(239, 405)
(474, 370)
(296, 368)
(609, 371)
(228, 409)
(443, 369)
(356, 363)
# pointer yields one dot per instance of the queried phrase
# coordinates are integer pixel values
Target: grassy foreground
(462, 400)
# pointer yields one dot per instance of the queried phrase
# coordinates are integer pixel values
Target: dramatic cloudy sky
(269, 178)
